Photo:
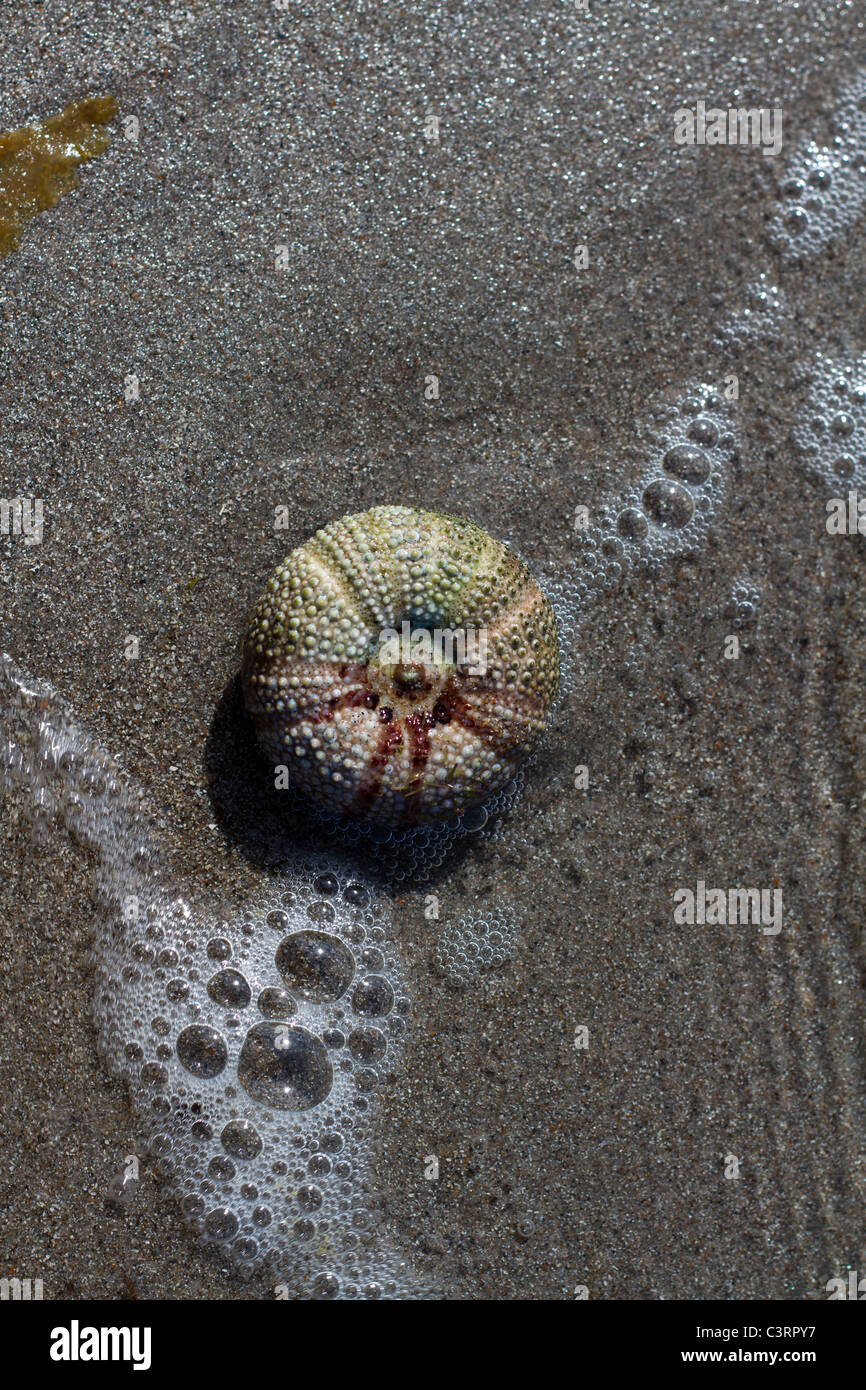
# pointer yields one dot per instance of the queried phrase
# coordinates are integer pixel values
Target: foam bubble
(242, 1076)
(761, 318)
(476, 943)
(667, 513)
(831, 436)
(823, 191)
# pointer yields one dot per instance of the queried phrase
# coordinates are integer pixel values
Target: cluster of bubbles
(824, 188)
(832, 434)
(692, 441)
(476, 943)
(822, 192)
(255, 1043)
(761, 318)
(259, 1044)
(739, 613)
(669, 512)
(413, 854)
(743, 606)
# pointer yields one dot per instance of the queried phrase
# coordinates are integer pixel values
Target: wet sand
(560, 1167)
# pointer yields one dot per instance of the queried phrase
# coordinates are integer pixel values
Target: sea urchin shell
(400, 664)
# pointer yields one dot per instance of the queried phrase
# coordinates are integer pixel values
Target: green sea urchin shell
(370, 726)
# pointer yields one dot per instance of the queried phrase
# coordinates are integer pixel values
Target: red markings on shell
(369, 728)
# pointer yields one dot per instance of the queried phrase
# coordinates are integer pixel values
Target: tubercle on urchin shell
(416, 740)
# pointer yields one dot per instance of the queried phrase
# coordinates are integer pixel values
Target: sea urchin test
(400, 665)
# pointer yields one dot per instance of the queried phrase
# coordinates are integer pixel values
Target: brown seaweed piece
(38, 164)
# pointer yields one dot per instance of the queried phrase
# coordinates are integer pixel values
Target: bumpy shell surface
(391, 741)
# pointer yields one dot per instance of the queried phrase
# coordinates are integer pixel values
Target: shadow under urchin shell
(270, 826)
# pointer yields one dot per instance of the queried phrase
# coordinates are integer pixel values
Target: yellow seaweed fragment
(38, 164)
